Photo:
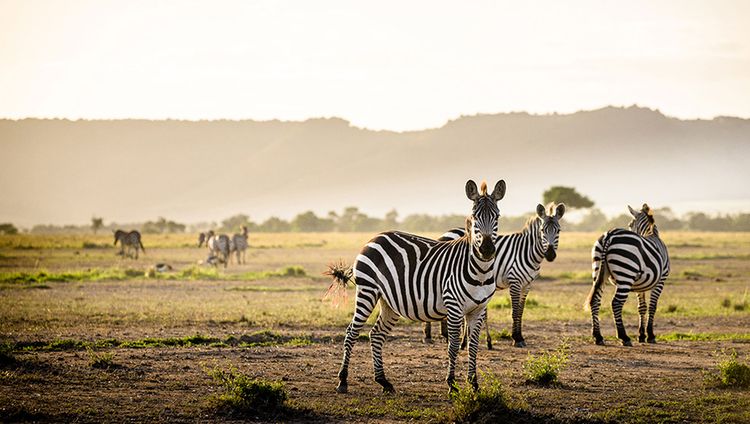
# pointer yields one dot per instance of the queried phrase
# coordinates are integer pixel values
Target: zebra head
(203, 237)
(481, 225)
(118, 235)
(643, 220)
(549, 228)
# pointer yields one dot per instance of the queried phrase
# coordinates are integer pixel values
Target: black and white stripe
(219, 247)
(634, 260)
(239, 244)
(518, 259)
(427, 280)
(129, 240)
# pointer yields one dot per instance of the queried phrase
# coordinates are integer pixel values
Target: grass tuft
(545, 369)
(491, 403)
(730, 372)
(102, 360)
(244, 395)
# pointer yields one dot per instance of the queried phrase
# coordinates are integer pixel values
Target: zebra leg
(621, 295)
(474, 327)
(518, 299)
(365, 303)
(464, 336)
(455, 322)
(383, 326)
(653, 300)
(642, 317)
(595, 304)
(427, 339)
(487, 328)
(444, 329)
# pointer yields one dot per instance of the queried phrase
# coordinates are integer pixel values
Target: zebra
(129, 240)
(219, 247)
(239, 244)
(425, 280)
(636, 260)
(519, 258)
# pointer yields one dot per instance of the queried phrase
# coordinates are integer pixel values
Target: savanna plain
(91, 336)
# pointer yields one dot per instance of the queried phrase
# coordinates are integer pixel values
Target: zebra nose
(550, 254)
(487, 248)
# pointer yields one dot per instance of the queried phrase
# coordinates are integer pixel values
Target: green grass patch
(245, 395)
(701, 337)
(545, 369)
(103, 360)
(649, 411)
(730, 372)
(503, 334)
(30, 278)
(491, 403)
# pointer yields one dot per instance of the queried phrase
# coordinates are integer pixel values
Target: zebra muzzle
(550, 254)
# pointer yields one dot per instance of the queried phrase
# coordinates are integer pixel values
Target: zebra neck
(479, 269)
(536, 248)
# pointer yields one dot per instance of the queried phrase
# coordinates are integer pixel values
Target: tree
(8, 228)
(233, 223)
(567, 195)
(96, 223)
(309, 222)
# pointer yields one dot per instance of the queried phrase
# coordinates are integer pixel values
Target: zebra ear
(560, 210)
(499, 191)
(540, 211)
(633, 211)
(471, 191)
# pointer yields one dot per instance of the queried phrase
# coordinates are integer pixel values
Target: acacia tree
(96, 223)
(567, 195)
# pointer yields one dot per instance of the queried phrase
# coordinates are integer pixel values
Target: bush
(246, 395)
(545, 368)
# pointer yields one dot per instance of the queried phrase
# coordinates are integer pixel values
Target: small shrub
(247, 395)
(740, 306)
(672, 308)
(491, 403)
(731, 373)
(100, 360)
(726, 302)
(544, 369)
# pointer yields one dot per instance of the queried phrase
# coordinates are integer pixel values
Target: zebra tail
(601, 275)
(141, 244)
(341, 273)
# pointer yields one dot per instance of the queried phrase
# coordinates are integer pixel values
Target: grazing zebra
(129, 240)
(634, 260)
(519, 257)
(425, 280)
(219, 247)
(239, 244)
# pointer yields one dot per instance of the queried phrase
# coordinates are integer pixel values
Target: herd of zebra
(452, 279)
(220, 246)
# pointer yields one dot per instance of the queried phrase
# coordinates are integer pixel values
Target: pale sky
(396, 65)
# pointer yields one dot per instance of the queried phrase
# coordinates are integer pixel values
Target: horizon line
(350, 124)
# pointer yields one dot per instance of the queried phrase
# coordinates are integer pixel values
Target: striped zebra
(129, 240)
(219, 247)
(519, 257)
(239, 244)
(425, 280)
(636, 260)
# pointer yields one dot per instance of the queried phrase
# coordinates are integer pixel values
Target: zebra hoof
(641, 339)
(519, 344)
(627, 343)
(427, 341)
(387, 386)
(652, 340)
(600, 342)
(342, 387)
(489, 346)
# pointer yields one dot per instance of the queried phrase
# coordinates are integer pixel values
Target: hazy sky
(388, 64)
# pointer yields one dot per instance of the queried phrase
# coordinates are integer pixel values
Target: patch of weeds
(491, 403)
(740, 306)
(503, 334)
(92, 245)
(245, 395)
(65, 344)
(102, 360)
(545, 369)
(726, 303)
(672, 309)
(730, 372)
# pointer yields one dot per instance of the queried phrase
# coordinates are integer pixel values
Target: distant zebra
(425, 280)
(239, 244)
(129, 240)
(218, 247)
(519, 257)
(634, 260)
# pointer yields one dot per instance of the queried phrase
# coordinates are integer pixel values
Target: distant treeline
(353, 220)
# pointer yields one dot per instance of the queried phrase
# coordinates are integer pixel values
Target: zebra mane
(531, 224)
